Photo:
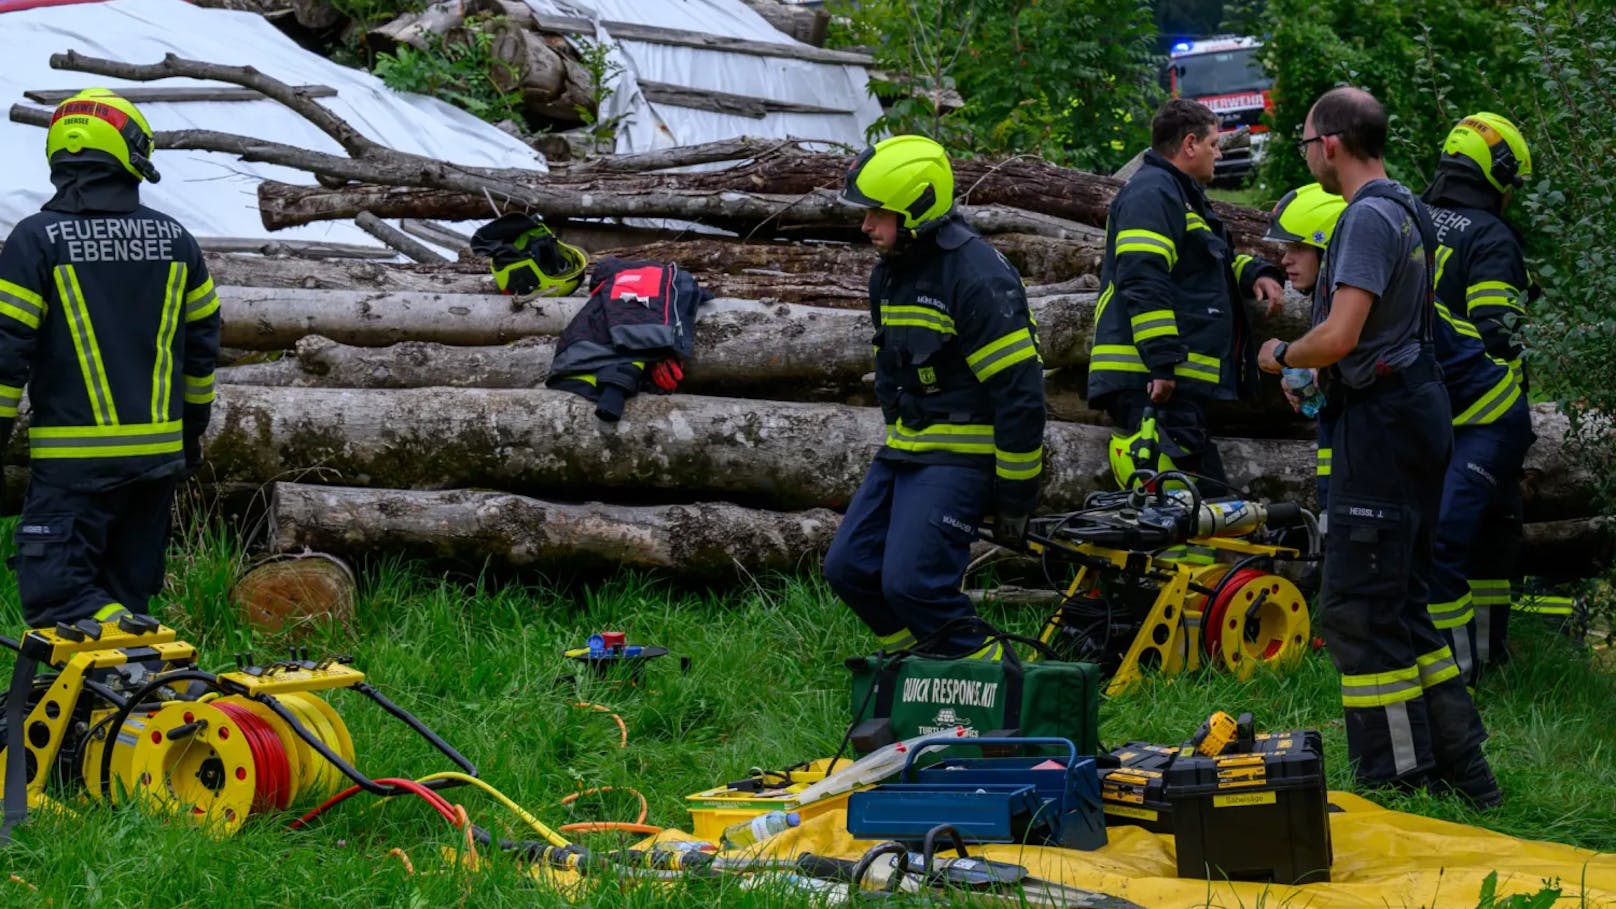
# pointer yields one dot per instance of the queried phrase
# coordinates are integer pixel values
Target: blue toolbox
(1022, 799)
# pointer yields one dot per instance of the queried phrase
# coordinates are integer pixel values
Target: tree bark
(398, 239)
(1575, 548)
(540, 442)
(714, 540)
(282, 205)
(526, 63)
(1031, 186)
(818, 274)
(420, 30)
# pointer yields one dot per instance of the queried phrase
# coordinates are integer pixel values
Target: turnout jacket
(1481, 275)
(110, 320)
(1171, 292)
(639, 313)
(957, 369)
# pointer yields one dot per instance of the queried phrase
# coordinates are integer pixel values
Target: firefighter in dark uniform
(960, 384)
(109, 319)
(1482, 278)
(1170, 327)
(1492, 427)
(1409, 719)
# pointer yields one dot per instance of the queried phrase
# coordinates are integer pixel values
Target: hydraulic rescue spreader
(1167, 580)
(121, 709)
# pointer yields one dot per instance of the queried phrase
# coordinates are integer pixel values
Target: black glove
(193, 454)
(1010, 530)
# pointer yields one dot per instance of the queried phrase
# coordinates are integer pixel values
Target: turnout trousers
(1407, 711)
(1478, 538)
(902, 549)
(80, 552)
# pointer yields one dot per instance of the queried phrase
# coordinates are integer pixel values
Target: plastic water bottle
(757, 829)
(1300, 382)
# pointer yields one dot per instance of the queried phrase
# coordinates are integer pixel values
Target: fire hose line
(551, 836)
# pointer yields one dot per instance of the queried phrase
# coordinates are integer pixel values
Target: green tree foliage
(455, 71)
(1568, 114)
(1070, 80)
(1429, 61)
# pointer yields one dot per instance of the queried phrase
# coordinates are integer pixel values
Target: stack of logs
(402, 408)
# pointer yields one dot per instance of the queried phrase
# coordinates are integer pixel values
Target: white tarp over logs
(214, 194)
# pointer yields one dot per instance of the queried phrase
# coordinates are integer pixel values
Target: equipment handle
(1284, 514)
(941, 742)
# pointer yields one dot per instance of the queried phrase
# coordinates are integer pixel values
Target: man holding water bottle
(1410, 722)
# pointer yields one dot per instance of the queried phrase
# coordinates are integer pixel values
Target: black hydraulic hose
(420, 728)
(178, 675)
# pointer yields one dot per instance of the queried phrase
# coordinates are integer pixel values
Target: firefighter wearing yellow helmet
(108, 318)
(960, 383)
(1481, 275)
(1170, 327)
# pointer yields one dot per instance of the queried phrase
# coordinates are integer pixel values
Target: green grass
(481, 662)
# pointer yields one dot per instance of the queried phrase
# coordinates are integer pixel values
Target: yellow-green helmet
(1140, 450)
(1493, 145)
(909, 175)
(1306, 214)
(99, 120)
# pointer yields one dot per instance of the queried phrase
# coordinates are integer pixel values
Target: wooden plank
(150, 94)
(652, 34)
(725, 102)
(312, 249)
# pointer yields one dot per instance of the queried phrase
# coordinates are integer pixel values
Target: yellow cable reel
(1255, 618)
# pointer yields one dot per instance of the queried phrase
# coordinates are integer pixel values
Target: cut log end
(294, 594)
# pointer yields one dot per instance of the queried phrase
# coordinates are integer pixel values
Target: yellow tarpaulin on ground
(1382, 859)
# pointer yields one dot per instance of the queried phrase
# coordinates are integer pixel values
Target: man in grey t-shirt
(1409, 719)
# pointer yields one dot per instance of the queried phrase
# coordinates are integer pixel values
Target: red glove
(666, 375)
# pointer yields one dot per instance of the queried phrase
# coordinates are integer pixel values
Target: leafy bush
(455, 71)
(1429, 61)
(1070, 80)
(1569, 116)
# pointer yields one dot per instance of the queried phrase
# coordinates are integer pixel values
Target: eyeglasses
(1302, 144)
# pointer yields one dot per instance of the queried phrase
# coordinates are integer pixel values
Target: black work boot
(1474, 783)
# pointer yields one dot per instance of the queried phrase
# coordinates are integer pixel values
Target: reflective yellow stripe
(1105, 297)
(108, 612)
(163, 365)
(1452, 613)
(1193, 221)
(1547, 605)
(1147, 241)
(84, 344)
(1117, 358)
(1014, 465)
(10, 398)
(1201, 367)
(1493, 293)
(1157, 323)
(1493, 404)
(199, 390)
(963, 438)
(898, 640)
(1436, 667)
(104, 441)
(1462, 326)
(917, 317)
(1490, 591)
(201, 302)
(996, 356)
(21, 304)
(1442, 255)
(1324, 461)
(1381, 688)
(1240, 263)
(1125, 358)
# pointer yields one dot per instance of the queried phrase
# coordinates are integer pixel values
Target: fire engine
(1226, 76)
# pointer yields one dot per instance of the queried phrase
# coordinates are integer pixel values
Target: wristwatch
(1279, 353)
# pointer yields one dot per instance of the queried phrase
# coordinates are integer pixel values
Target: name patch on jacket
(115, 239)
